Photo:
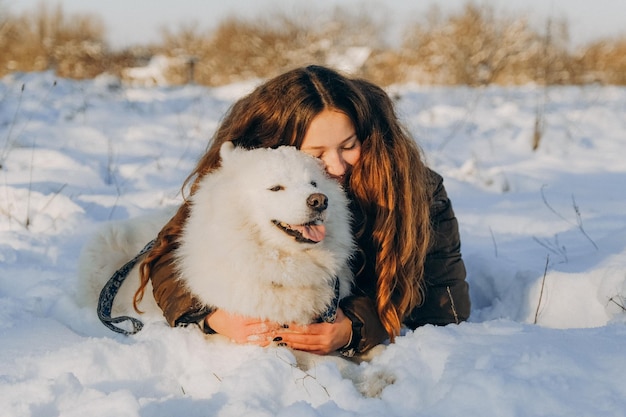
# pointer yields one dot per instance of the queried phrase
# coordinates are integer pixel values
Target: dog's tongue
(314, 232)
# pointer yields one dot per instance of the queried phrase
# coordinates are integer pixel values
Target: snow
(543, 232)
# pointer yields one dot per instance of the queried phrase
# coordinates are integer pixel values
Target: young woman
(408, 270)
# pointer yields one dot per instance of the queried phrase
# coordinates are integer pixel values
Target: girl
(408, 270)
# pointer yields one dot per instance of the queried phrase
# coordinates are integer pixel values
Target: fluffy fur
(267, 234)
(109, 249)
(244, 247)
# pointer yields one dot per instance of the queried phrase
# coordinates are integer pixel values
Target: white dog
(268, 236)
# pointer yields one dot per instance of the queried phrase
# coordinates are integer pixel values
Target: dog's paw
(372, 384)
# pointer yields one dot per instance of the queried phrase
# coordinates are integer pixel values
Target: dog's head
(268, 227)
(285, 196)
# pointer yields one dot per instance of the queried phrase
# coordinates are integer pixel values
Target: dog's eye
(277, 188)
(314, 184)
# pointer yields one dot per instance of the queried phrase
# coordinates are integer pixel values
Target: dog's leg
(370, 381)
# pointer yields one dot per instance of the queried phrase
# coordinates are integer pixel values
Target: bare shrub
(386, 67)
(604, 61)
(476, 47)
(48, 39)
(242, 49)
(553, 65)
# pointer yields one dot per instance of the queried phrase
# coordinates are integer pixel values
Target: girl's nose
(335, 164)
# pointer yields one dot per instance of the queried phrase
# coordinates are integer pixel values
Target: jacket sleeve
(178, 304)
(446, 293)
(367, 329)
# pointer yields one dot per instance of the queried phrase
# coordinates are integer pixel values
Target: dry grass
(241, 49)
(604, 62)
(49, 39)
(476, 46)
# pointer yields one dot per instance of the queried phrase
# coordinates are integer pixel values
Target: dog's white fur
(232, 255)
(114, 244)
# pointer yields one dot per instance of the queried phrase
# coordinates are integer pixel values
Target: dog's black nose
(317, 201)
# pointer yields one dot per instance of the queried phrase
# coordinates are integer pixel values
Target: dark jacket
(446, 296)
(446, 293)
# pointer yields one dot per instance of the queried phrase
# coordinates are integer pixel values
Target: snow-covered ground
(544, 240)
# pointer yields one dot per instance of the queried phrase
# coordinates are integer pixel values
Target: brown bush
(476, 47)
(473, 47)
(604, 61)
(242, 49)
(48, 39)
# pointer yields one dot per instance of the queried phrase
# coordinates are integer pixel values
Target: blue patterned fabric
(109, 291)
(330, 314)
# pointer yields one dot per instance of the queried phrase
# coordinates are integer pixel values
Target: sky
(140, 21)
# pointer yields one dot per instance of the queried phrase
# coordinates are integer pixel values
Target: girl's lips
(341, 179)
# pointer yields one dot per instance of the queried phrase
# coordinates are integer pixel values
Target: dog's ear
(226, 149)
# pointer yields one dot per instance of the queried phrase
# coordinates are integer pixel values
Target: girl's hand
(242, 329)
(319, 338)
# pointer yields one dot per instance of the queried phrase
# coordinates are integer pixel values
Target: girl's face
(332, 138)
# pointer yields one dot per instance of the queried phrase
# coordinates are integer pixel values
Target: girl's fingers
(307, 342)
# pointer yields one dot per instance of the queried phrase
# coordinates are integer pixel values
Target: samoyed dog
(268, 236)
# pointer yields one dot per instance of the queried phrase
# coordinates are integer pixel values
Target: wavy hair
(387, 183)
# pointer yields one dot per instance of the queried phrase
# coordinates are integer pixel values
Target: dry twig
(543, 283)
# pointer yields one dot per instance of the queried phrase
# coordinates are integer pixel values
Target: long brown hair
(387, 183)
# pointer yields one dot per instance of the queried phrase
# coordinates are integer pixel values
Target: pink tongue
(316, 233)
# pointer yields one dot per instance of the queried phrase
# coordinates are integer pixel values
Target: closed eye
(314, 184)
(350, 146)
(276, 188)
